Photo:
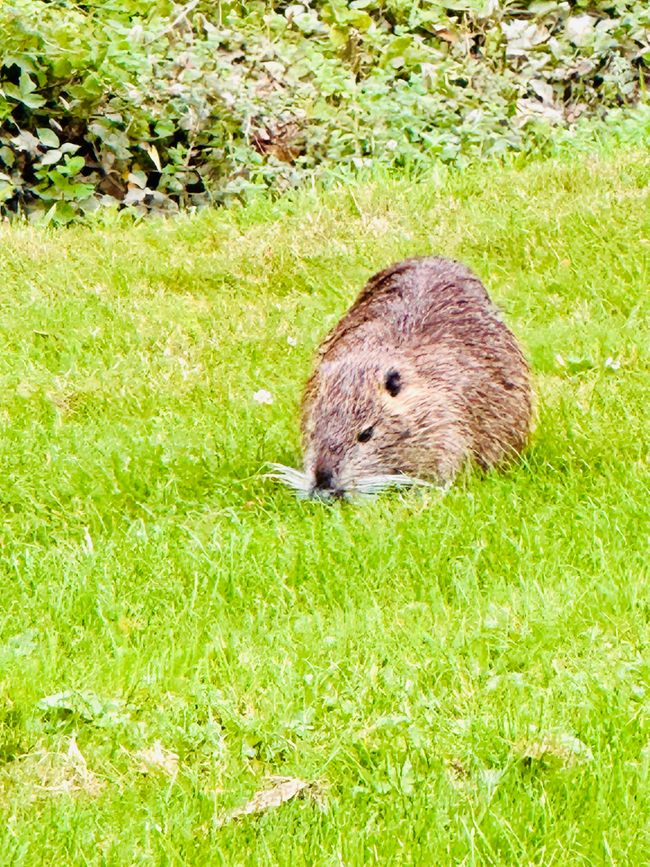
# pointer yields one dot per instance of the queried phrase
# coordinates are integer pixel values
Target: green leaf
(73, 165)
(26, 84)
(165, 127)
(27, 97)
(51, 157)
(7, 156)
(81, 191)
(359, 19)
(33, 100)
(20, 60)
(48, 137)
(92, 86)
(61, 67)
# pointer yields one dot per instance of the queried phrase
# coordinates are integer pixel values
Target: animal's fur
(463, 389)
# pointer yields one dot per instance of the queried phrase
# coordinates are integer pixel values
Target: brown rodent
(419, 377)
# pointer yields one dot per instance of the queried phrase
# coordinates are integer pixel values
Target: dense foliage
(157, 105)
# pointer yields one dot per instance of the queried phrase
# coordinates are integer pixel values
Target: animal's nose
(324, 478)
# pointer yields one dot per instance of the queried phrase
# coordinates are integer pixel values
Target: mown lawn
(464, 677)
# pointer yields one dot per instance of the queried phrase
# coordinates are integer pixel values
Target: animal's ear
(393, 382)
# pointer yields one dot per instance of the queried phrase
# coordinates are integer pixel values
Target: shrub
(157, 106)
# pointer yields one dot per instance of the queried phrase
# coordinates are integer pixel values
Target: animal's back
(415, 301)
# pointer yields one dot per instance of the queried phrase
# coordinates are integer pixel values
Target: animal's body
(420, 377)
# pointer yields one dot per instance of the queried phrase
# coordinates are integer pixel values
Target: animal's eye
(365, 435)
(393, 382)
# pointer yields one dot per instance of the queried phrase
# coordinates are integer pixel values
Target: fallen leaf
(543, 89)
(157, 758)
(56, 773)
(444, 33)
(458, 773)
(580, 28)
(559, 748)
(25, 141)
(153, 154)
(282, 789)
(528, 109)
(522, 35)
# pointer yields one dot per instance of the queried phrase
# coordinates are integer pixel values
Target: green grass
(466, 677)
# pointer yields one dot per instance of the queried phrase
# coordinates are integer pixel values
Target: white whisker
(299, 481)
(303, 485)
(371, 485)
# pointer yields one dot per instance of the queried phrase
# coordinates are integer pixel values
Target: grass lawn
(464, 678)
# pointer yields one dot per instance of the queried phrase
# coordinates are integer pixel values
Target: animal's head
(357, 427)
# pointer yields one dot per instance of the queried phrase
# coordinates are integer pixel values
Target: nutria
(420, 377)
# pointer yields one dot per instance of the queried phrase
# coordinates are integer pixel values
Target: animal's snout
(324, 479)
(325, 485)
